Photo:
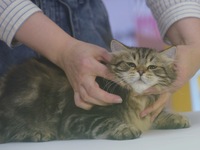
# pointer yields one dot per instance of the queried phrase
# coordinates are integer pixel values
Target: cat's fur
(36, 100)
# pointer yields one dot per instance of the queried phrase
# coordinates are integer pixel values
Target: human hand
(185, 33)
(187, 64)
(81, 64)
(79, 60)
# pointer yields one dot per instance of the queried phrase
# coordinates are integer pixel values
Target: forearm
(185, 32)
(24, 22)
(44, 36)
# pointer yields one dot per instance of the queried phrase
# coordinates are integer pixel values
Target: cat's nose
(141, 72)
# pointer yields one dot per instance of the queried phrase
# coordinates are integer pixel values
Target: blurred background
(133, 24)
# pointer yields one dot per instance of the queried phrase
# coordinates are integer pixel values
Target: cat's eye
(130, 64)
(152, 67)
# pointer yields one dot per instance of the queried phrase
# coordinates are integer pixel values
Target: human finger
(81, 103)
(92, 88)
(90, 100)
(102, 70)
(163, 98)
(152, 90)
(99, 94)
(156, 113)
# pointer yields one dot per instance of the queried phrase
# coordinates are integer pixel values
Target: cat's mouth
(140, 80)
(142, 83)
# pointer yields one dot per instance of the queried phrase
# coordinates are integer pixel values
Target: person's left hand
(187, 63)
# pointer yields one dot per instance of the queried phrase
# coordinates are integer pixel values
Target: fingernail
(119, 100)
(143, 114)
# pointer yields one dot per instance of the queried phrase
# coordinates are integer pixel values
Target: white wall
(122, 15)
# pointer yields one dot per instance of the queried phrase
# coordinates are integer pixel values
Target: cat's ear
(117, 46)
(170, 52)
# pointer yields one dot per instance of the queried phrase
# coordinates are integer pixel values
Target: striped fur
(36, 100)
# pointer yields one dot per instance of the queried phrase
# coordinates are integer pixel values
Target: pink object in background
(147, 34)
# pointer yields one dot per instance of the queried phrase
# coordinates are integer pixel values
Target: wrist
(63, 50)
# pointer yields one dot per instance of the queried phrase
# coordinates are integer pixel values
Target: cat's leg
(28, 135)
(97, 127)
(124, 132)
(17, 129)
(35, 136)
(170, 121)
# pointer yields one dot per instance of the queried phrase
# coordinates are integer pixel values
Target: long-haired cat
(36, 99)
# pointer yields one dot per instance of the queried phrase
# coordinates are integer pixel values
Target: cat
(36, 99)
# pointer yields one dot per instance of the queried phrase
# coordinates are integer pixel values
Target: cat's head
(142, 68)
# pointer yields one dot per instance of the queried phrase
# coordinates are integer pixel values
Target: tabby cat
(36, 99)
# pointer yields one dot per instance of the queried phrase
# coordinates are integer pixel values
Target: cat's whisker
(108, 85)
(111, 86)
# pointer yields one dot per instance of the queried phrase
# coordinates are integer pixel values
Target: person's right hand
(81, 64)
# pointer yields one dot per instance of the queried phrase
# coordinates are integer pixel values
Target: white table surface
(181, 139)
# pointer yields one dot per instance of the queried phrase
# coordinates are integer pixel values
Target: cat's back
(30, 79)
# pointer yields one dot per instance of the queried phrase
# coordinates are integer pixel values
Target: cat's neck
(139, 101)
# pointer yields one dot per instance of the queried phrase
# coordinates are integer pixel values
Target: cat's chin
(139, 87)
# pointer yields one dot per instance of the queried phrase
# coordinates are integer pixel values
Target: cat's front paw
(179, 121)
(42, 137)
(171, 121)
(125, 132)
